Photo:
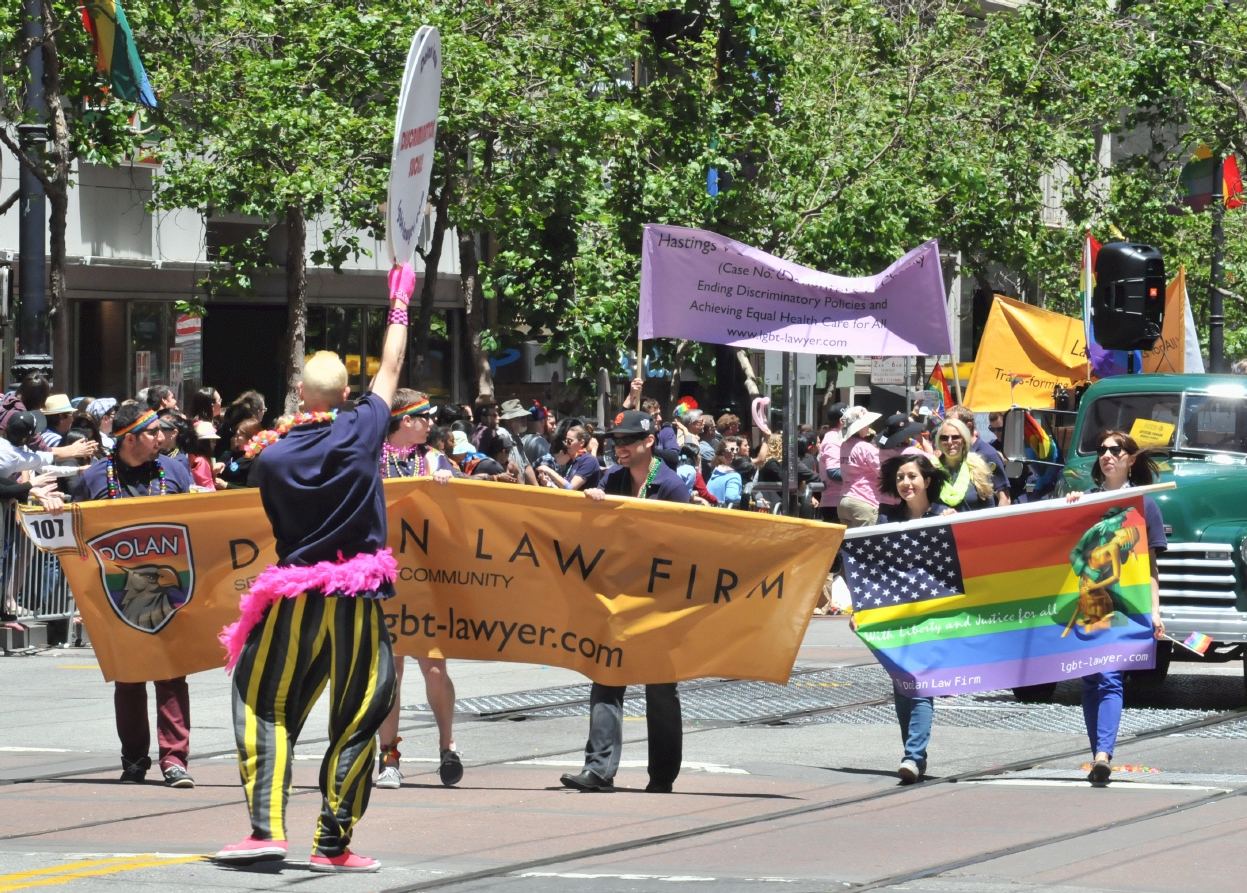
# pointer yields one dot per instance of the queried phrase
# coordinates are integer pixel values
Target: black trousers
(662, 719)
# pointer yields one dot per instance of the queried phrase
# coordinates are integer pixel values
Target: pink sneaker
(348, 861)
(252, 850)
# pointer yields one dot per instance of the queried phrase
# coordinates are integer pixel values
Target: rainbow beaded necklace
(114, 488)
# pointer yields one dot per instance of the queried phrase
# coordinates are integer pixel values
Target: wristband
(397, 317)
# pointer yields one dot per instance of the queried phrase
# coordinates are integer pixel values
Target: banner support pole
(957, 382)
(791, 507)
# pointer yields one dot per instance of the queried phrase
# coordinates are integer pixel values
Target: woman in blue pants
(1119, 464)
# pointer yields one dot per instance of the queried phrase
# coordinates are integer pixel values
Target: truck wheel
(1155, 678)
(1042, 694)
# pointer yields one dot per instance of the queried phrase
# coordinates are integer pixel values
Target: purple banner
(1139, 654)
(699, 286)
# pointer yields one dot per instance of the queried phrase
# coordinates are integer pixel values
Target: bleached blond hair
(324, 377)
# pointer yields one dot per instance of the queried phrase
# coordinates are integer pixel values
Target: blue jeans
(915, 716)
(1101, 708)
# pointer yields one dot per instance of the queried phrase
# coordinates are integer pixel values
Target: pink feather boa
(348, 577)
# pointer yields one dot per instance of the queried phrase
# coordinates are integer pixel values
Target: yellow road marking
(64, 874)
(4, 878)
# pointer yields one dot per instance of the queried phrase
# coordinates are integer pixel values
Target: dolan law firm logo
(148, 572)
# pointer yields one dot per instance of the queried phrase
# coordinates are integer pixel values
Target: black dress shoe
(588, 781)
(655, 788)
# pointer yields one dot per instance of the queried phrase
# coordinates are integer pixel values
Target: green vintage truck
(1203, 574)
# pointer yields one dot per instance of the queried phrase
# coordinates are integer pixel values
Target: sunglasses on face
(1115, 449)
(950, 438)
(629, 440)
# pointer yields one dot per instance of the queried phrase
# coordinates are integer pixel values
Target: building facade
(129, 267)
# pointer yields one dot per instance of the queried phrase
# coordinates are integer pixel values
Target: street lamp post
(32, 321)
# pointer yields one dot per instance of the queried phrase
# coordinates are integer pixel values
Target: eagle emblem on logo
(148, 572)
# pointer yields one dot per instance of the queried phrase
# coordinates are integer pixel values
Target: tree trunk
(751, 378)
(474, 301)
(58, 198)
(431, 262)
(296, 304)
(677, 367)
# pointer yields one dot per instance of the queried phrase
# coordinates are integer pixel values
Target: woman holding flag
(916, 482)
(1119, 464)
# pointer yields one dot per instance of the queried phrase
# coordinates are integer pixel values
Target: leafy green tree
(84, 123)
(283, 113)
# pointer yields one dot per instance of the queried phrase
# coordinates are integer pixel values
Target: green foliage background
(841, 132)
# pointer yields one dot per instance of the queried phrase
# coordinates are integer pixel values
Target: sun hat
(858, 418)
(57, 404)
(459, 444)
(512, 409)
(205, 431)
(898, 430)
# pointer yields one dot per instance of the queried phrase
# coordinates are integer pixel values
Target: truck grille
(1198, 574)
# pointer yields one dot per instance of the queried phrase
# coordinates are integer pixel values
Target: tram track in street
(812, 808)
(686, 834)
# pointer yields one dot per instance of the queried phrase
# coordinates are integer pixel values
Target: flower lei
(114, 489)
(266, 439)
(391, 456)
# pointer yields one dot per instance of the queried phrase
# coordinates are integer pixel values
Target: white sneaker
(389, 777)
(908, 772)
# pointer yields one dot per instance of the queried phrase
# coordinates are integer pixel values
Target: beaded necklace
(649, 479)
(114, 488)
(265, 439)
(391, 456)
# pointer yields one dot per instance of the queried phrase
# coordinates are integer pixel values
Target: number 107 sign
(55, 533)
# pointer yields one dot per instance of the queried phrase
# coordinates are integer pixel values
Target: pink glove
(760, 405)
(402, 284)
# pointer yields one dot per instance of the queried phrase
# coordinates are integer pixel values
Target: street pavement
(783, 788)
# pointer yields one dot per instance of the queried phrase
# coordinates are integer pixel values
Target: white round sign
(415, 133)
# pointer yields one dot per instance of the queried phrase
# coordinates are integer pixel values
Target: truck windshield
(1119, 412)
(1214, 423)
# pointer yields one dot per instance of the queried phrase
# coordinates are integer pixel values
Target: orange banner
(625, 591)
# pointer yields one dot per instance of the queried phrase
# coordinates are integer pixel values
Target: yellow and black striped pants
(302, 644)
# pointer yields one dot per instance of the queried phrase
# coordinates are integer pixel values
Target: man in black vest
(640, 475)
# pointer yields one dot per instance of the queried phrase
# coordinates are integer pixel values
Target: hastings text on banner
(700, 286)
(1001, 599)
(625, 591)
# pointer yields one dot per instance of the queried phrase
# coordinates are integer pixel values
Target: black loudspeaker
(1128, 304)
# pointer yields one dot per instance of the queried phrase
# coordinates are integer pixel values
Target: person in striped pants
(315, 618)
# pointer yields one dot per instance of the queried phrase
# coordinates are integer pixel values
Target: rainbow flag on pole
(998, 599)
(116, 52)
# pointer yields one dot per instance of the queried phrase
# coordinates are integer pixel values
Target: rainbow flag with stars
(1006, 597)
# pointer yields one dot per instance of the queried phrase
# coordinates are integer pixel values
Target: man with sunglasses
(641, 475)
(135, 468)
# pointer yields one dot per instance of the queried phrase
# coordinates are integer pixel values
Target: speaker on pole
(1128, 303)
